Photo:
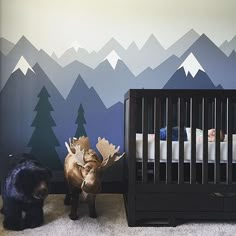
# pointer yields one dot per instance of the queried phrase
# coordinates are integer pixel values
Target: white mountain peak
(191, 65)
(112, 57)
(23, 65)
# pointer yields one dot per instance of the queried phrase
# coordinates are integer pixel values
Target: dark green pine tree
(43, 140)
(81, 122)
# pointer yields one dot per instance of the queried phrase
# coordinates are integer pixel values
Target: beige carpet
(111, 221)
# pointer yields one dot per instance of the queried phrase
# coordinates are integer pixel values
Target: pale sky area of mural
(56, 24)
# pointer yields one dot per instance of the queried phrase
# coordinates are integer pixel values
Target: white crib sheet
(187, 150)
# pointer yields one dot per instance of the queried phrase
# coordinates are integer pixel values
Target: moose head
(84, 168)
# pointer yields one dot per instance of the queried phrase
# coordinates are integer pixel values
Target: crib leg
(172, 221)
(131, 221)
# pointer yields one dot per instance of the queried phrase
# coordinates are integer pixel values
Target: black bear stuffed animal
(23, 192)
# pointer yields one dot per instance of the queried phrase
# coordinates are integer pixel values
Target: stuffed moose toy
(83, 171)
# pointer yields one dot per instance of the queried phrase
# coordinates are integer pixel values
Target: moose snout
(91, 187)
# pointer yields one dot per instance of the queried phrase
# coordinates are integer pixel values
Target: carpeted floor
(111, 221)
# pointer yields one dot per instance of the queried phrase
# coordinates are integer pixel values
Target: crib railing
(149, 110)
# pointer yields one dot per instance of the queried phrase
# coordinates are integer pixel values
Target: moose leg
(67, 200)
(91, 205)
(74, 204)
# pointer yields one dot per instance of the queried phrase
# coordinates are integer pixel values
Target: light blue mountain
(182, 44)
(111, 45)
(157, 78)
(137, 60)
(228, 46)
(5, 46)
(111, 84)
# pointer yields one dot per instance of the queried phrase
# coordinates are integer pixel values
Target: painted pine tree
(43, 140)
(81, 122)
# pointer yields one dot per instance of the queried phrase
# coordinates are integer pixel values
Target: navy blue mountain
(18, 99)
(180, 81)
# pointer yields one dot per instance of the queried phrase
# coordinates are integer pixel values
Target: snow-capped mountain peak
(112, 57)
(191, 65)
(23, 65)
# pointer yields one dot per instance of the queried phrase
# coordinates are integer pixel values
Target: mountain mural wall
(81, 92)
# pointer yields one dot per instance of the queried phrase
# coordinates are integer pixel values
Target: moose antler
(77, 148)
(108, 151)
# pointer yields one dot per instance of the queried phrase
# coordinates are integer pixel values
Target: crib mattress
(187, 150)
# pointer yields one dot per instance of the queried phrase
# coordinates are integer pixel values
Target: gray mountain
(82, 55)
(157, 78)
(24, 47)
(181, 45)
(54, 56)
(152, 53)
(132, 49)
(5, 46)
(110, 84)
(228, 46)
(64, 78)
(111, 45)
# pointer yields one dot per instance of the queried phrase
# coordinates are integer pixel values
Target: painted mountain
(215, 63)
(190, 75)
(5, 46)
(22, 104)
(18, 100)
(83, 92)
(228, 46)
(150, 55)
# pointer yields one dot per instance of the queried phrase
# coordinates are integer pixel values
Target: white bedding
(187, 150)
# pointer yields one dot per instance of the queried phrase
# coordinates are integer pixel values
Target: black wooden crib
(173, 181)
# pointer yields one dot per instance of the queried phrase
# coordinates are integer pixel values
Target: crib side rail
(146, 111)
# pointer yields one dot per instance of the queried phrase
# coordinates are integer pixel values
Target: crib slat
(169, 139)
(193, 140)
(205, 140)
(229, 133)
(217, 140)
(145, 138)
(181, 113)
(157, 126)
(131, 148)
